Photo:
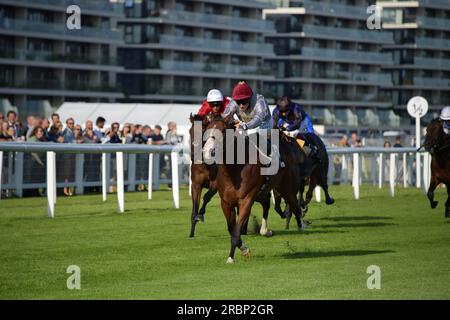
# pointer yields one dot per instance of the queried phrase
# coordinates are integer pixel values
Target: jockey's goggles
(215, 104)
(243, 102)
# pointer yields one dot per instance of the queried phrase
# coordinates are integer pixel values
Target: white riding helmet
(445, 113)
(214, 95)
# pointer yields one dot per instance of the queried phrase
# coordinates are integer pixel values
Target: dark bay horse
(314, 173)
(438, 144)
(240, 185)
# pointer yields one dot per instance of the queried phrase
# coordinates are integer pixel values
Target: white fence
(27, 166)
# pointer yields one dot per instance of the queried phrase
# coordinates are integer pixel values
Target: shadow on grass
(293, 230)
(355, 218)
(357, 225)
(326, 254)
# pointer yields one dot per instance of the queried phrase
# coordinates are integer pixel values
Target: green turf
(146, 253)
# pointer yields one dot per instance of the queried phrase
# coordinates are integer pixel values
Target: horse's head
(434, 135)
(215, 131)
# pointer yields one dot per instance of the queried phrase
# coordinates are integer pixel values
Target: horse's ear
(191, 118)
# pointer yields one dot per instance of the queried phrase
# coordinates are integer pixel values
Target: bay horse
(204, 176)
(240, 185)
(438, 144)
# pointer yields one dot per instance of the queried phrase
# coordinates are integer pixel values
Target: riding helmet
(445, 113)
(242, 91)
(214, 95)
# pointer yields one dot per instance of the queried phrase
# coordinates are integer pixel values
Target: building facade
(421, 52)
(331, 63)
(43, 62)
(176, 51)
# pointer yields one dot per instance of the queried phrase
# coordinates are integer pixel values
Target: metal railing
(48, 166)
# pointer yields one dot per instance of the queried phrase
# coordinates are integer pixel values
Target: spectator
(138, 136)
(55, 119)
(11, 117)
(171, 136)
(77, 132)
(89, 136)
(157, 137)
(30, 126)
(398, 142)
(99, 128)
(45, 125)
(126, 135)
(68, 133)
(387, 144)
(2, 117)
(146, 134)
(37, 135)
(354, 139)
(112, 136)
(89, 125)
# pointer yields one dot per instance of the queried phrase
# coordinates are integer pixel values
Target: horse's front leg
(206, 199)
(265, 203)
(196, 191)
(430, 194)
(236, 241)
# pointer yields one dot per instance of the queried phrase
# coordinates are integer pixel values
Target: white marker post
(417, 108)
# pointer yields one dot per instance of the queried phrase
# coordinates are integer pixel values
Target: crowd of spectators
(38, 129)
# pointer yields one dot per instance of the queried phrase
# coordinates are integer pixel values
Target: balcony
(433, 42)
(46, 56)
(353, 34)
(58, 29)
(97, 5)
(433, 23)
(213, 68)
(348, 55)
(214, 44)
(327, 8)
(439, 4)
(380, 78)
(214, 19)
(431, 82)
(320, 96)
(53, 84)
(432, 62)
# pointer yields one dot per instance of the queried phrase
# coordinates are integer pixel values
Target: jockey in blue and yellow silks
(289, 116)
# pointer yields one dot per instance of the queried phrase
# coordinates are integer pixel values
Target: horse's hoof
(199, 217)
(247, 253)
(434, 204)
(329, 201)
(307, 222)
(268, 233)
(230, 260)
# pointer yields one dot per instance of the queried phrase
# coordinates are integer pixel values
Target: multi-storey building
(177, 50)
(41, 59)
(330, 62)
(421, 52)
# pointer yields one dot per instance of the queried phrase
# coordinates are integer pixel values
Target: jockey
(445, 117)
(250, 110)
(215, 103)
(290, 117)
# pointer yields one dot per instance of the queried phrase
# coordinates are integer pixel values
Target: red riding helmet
(242, 91)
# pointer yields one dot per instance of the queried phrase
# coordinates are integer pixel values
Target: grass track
(146, 253)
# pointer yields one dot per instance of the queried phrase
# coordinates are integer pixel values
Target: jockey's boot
(312, 152)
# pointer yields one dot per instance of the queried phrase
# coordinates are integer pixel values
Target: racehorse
(240, 185)
(203, 176)
(438, 144)
(314, 173)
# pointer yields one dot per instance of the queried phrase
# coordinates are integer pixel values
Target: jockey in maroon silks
(215, 104)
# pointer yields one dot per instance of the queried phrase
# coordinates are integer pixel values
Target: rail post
(120, 183)
(355, 181)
